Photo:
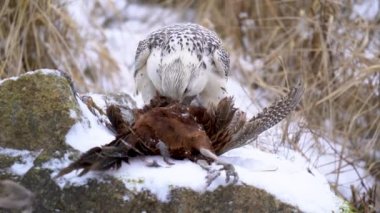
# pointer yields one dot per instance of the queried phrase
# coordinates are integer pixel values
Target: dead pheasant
(173, 130)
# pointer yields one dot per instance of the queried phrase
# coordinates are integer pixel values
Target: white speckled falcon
(183, 62)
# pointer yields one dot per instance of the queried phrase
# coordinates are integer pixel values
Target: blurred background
(334, 45)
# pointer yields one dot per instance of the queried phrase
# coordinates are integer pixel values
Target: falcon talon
(230, 173)
(167, 161)
(153, 164)
(212, 174)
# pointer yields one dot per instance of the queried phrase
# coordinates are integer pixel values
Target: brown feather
(115, 116)
(179, 131)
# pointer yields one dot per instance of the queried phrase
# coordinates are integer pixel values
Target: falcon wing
(222, 61)
(142, 54)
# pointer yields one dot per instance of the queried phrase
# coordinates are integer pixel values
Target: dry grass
(316, 39)
(41, 34)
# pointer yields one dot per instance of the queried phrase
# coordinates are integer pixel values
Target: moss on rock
(231, 198)
(35, 111)
(7, 161)
(109, 196)
(105, 196)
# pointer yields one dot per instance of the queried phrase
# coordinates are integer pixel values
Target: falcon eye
(186, 90)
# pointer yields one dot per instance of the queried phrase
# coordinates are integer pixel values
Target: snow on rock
(73, 179)
(88, 133)
(41, 71)
(25, 163)
(286, 180)
(291, 182)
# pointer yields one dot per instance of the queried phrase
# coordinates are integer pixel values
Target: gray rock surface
(35, 111)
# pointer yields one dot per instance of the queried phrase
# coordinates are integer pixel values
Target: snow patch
(366, 9)
(292, 182)
(126, 198)
(9, 79)
(288, 181)
(241, 98)
(73, 114)
(26, 160)
(40, 71)
(138, 177)
(321, 155)
(88, 133)
(71, 179)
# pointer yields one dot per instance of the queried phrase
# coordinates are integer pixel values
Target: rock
(95, 196)
(15, 196)
(109, 196)
(232, 198)
(36, 111)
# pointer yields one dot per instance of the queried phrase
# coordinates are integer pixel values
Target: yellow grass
(40, 34)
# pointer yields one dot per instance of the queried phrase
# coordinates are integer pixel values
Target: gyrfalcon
(182, 61)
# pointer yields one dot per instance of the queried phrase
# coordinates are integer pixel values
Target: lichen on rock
(36, 111)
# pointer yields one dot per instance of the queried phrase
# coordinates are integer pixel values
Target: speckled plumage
(180, 61)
